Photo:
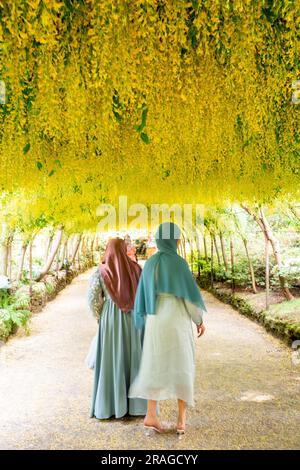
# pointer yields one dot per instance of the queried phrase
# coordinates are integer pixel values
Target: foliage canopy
(193, 99)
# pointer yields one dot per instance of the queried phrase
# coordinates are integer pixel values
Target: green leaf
(26, 148)
(116, 100)
(117, 116)
(192, 34)
(39, 165)
(145, 138)
(51, 173)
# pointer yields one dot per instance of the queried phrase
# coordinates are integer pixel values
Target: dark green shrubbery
(241, 272)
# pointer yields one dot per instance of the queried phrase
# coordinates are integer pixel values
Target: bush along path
(246, 387)
(35, 264)
(281, 319)
(18, 304)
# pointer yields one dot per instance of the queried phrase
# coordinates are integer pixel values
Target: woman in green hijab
(168, 300)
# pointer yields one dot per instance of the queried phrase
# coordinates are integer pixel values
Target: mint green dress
(115, 356)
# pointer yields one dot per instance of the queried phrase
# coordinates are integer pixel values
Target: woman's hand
(200, 330)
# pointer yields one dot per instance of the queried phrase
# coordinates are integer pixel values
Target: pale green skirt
(116, 364)
(167, 366)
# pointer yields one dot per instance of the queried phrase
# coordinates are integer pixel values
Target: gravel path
(247, 387)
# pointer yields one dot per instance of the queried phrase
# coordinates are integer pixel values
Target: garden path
(247, 386)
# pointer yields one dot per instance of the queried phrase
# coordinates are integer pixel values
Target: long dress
(117, 357)
(167, 367)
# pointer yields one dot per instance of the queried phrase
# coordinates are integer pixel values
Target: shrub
(241, 271)
(50, 287)
(11, 315)
(290, 269)
(21, 299)
(38, 289)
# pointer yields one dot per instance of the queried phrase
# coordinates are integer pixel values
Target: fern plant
(13, 312)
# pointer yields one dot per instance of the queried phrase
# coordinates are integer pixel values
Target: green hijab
(165, 272)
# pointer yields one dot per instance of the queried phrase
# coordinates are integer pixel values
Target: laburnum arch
(164, 101)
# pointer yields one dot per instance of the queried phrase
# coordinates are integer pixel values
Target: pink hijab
(120, 274)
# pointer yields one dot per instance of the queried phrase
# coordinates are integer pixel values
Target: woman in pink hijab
(119, 345)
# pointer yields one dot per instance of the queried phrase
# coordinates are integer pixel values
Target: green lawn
(287, 310)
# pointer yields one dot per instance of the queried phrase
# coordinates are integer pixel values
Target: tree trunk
(217, 249)
(67, 252)
(76, 249)
(267, 272)
(22, 259)
(277, 253)
(211, 262)
(4, 247)
(97, 245)
(184, 246)
(83, 245)
(48, 246)
(78, 260)
(60, 257)
(89, 246)
(198, 265)
(57, 258)
(267, 231)
(223, 251)
(192, 255)
(253, 281)
(54, 249)
(205, 249)
(9, 256)
(198, 255)
(180, 252)
(232, 266)
(198, 250)
(80, 251)
(63, 253)
(71, 245)
(30, 273)
(92, 248)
